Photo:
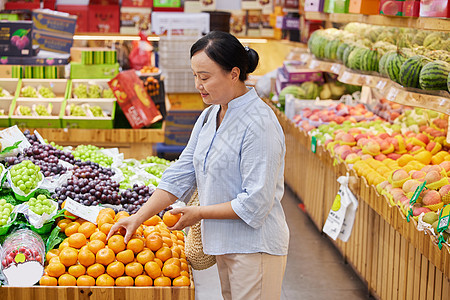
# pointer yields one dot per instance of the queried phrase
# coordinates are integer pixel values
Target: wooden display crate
(391, 256)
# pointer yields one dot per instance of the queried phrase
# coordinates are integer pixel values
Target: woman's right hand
(130, 225)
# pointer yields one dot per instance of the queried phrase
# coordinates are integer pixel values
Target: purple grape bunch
(90, 184)
(20, 42)
(133, 198)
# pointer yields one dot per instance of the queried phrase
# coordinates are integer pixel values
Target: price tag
(39, 137)
(313, 144)
(314, 64)
(336, 68)
(393, 92)
(89, 213)
(346, 78)
(414, 199)
(448, 133)
(305, 58)
(443, 223)
(381, 84)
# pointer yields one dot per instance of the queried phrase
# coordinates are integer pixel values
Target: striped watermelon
(369, 60)
(347, 52)
(330, 49)
(434, 75)
(448, 82)
(410, 70)
(354, 58)
(393, 65)
(382, 63)
(340, 51)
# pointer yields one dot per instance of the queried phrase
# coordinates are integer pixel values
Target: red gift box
(81, 11)
(411, 8)
(435, 8)
(136, 104)
(138, 3)
(104, 18)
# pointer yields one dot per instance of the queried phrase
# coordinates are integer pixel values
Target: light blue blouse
(241, 162)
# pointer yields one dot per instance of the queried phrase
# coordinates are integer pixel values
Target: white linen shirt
(242, 162)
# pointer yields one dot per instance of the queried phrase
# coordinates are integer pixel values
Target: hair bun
(253, 59)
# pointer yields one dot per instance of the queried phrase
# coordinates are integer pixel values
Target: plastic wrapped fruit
(22, 258)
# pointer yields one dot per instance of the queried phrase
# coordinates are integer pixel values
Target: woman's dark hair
(226, 50)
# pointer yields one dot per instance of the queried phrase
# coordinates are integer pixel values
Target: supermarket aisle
(315, 269)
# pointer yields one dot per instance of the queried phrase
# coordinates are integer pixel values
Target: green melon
(433, 40)
(331, 48)
(354, 58)
(393, 65)
(438, 55)
(434, 75)
(410, 70)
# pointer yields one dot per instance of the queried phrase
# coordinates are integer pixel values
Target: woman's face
(215, 85)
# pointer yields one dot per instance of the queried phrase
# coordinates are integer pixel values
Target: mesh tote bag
(194, 247)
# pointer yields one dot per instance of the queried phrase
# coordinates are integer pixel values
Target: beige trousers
(254, 276)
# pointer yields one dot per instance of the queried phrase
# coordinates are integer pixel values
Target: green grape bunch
(29, 92)
(156, 160)
(107, 93)
(155, 170)
(80, 91)
(92, 153)
(94, 91)
(25, 176)
(46, 92)
(77, 111)
(5, 211)
(41, 110)
(96, 111)
(41, 205)
(24, 110)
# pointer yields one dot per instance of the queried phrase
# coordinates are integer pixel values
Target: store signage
(443, 223)
(313, 144)
(290, 23)
(88, 213)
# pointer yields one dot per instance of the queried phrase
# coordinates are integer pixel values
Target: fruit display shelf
(389, 89)
(395, 259)
(135, 143)
(419, 23)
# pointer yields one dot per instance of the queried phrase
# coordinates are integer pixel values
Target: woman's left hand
(190, 215)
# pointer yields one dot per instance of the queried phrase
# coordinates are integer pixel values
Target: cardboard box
(92, 55)
(81, 71)
(336, 6)
(104, 18)
(176, 138)
(391, 7)
(138, 3)
(135, 19)
(266, 27)
(238, 22)
(366, 7)
(295, 72)
(52, 42)
(52, 121)
(15, 38)
(254, 23)
(33, 61)
(52, 21)
(108, 106)
(82, 13)
(435, 8)
(291, 3)
(181, 119)
(411, 8)
(185, 102)
(23, 4)
(137, 106)
(315, 5)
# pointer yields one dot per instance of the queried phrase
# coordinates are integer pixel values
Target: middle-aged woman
(235, 157)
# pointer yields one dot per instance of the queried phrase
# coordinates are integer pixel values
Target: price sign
(305, 58)
(336, 68)
(381, 84)
(414, 199)
(313, 144)
(315, 64)
(346, 77)
(89, 213)
(443, 223)
(393, 92)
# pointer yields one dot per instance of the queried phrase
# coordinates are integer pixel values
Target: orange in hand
(170, 219)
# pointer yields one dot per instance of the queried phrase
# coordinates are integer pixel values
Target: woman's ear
(235, 73)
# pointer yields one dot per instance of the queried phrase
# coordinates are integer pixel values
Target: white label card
(88, 213)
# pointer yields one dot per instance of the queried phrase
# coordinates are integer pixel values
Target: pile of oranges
(154, 256)
(149, 69)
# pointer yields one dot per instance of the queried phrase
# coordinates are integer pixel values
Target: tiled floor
(315, 270)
